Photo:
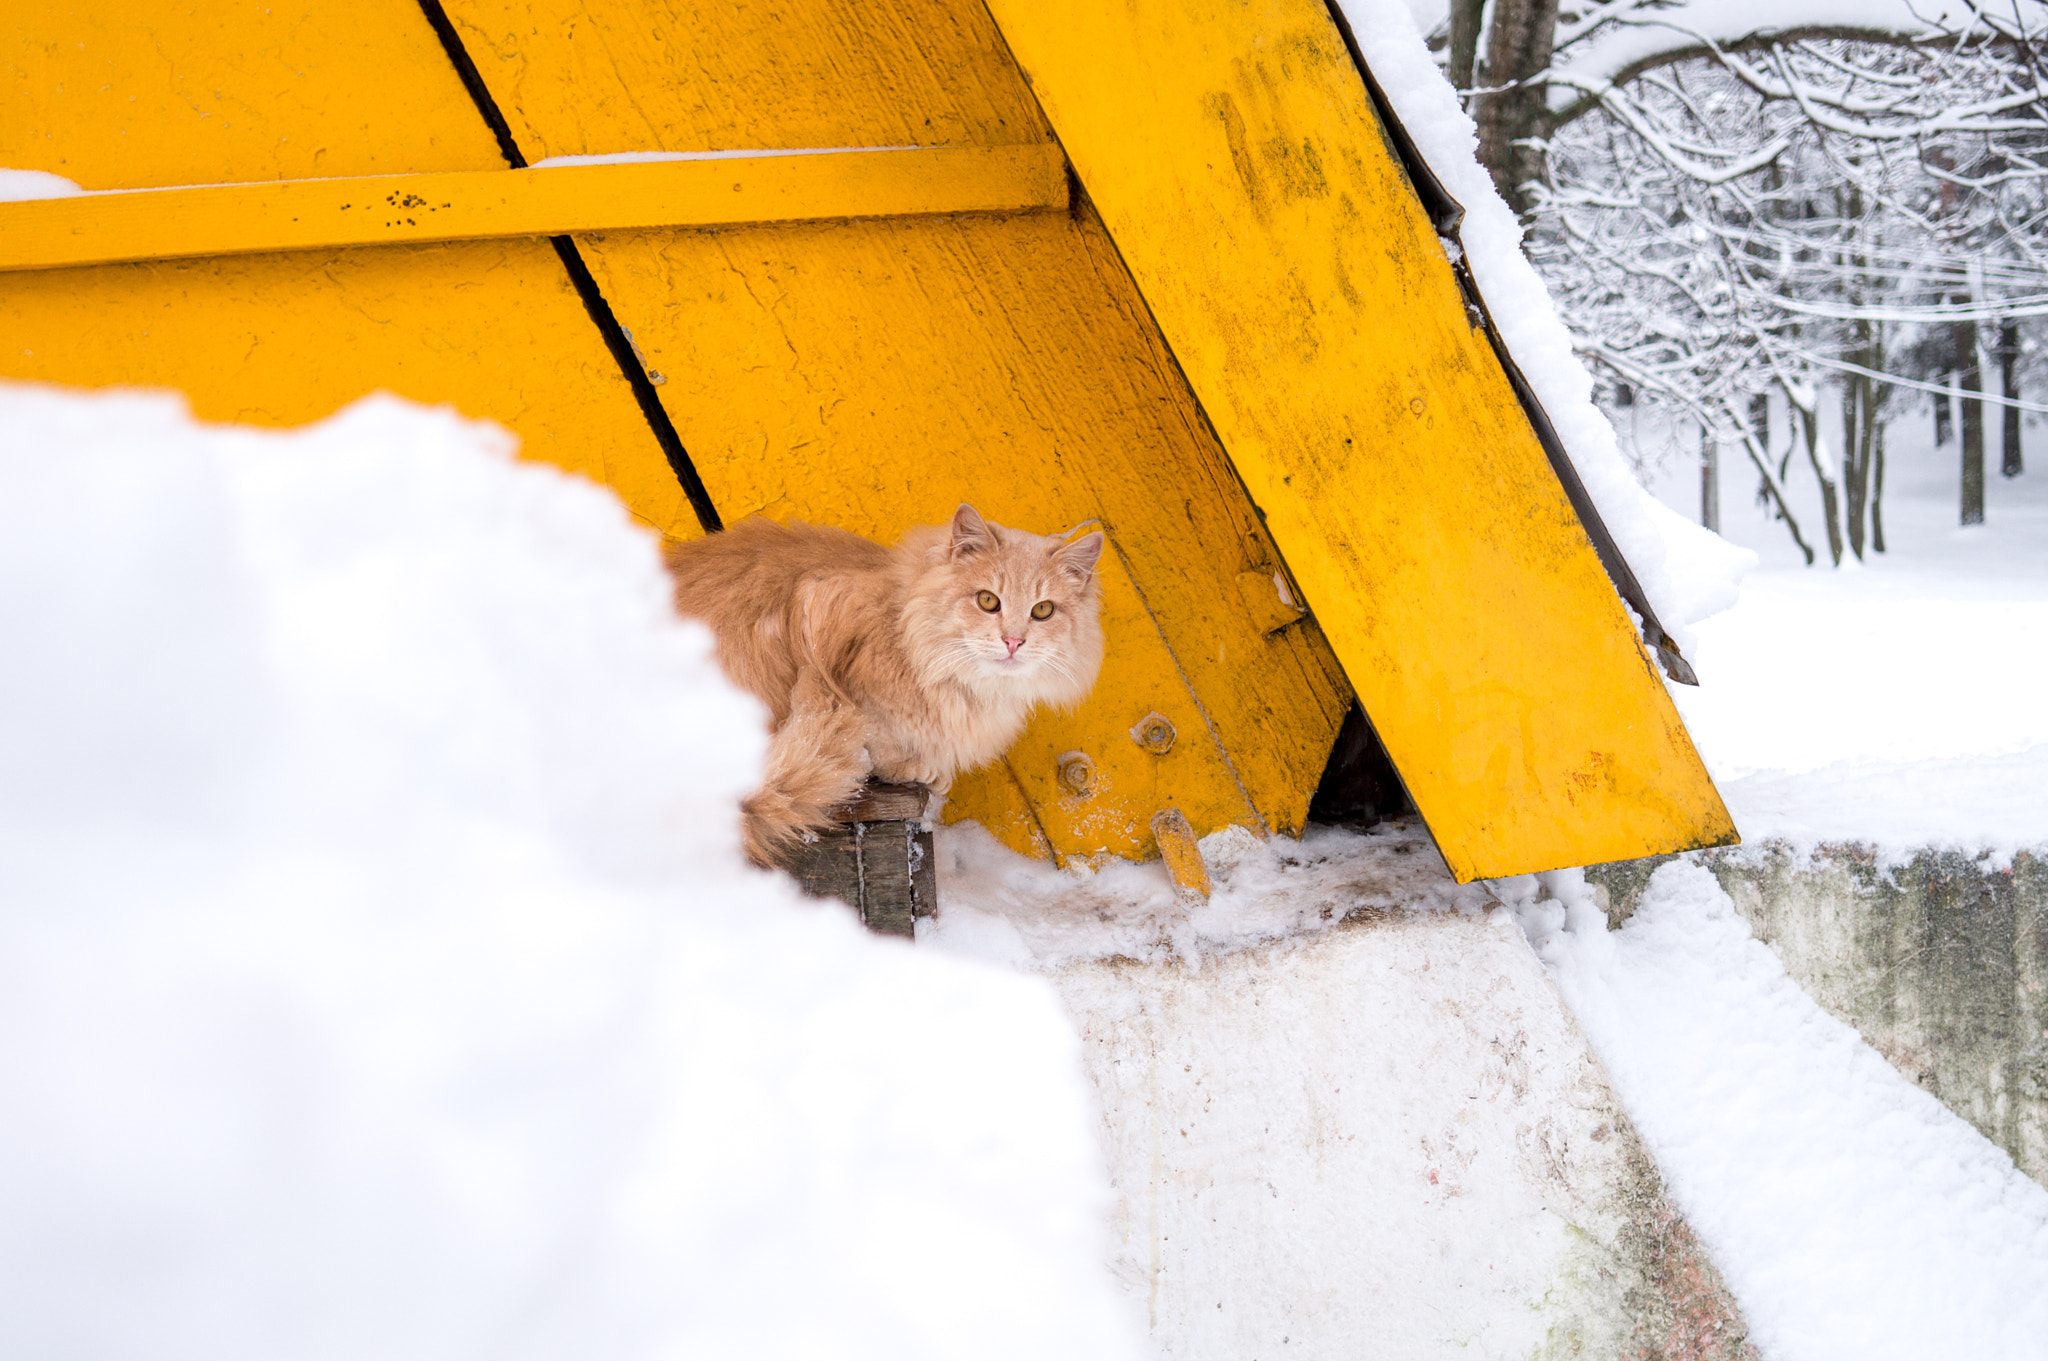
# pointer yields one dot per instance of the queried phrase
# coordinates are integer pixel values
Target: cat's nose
(1014, 643)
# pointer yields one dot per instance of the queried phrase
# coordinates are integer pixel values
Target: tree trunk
(1512, 115)
(1710, 481)
(1769, 490)
(1466, 16)
(1830, 500)
(1973, 422)
(2010, 464)
(1877, 493)
(1944, 423)
(1855, 451)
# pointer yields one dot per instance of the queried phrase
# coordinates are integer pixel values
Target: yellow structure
(1153, 266)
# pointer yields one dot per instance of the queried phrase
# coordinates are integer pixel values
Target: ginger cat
(912, 663)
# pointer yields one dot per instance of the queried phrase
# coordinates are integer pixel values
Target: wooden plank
(238, 219)
(133, 95)
(875, 374)
(878, 860)
(1233, 152)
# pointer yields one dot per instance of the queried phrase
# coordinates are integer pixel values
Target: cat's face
(1018, 607)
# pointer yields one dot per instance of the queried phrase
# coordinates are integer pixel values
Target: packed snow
(379, 975)
(1853, 1214)
(998, 905)
(1894, 702)
(23, 186)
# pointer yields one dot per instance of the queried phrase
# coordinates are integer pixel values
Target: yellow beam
(1233, 151)
(241, 219)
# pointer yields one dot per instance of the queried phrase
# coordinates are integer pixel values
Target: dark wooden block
(878, 860)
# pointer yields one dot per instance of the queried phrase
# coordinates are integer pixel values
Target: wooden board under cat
(1094, 359)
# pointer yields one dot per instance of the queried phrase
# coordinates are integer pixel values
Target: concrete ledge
(1387, 1139)
(1941, 963)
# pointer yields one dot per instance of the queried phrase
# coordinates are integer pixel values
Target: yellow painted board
(134, 95)
(874, 374)
(284, 339)
(1233, 152)
(231, 219)
(587, 77)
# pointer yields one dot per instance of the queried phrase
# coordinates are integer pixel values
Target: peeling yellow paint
(1237, 161)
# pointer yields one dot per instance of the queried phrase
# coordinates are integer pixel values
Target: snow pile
(1894, 703)
(1881, 707)
(21, 186)
(1687, 572)
(378, 972)
(997, 905)
(1382, 1140)
(1853, 1214)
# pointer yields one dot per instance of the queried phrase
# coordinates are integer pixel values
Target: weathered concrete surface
(1941, 964)
(1390, 1141)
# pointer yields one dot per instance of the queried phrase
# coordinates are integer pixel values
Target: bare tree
(1724, 214)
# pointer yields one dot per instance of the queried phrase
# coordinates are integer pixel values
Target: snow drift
(378, 972)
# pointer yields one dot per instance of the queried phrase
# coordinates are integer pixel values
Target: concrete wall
(1941, 964)
(1388, 1140)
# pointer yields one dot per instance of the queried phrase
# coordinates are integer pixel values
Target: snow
(20, 186)
(1685, 573)
(1346, 1113)
(1893, 703)
(998, 905)
(379, 975)
(1591, 54)
(1851, 1212)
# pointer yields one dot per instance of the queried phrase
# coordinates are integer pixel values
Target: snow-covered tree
(1732, 199)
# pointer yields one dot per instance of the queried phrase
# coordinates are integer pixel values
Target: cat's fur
(882, 661)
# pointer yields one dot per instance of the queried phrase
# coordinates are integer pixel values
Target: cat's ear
(971, 533)
(1079, 557)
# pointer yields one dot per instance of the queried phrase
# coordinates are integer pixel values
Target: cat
(915, 663)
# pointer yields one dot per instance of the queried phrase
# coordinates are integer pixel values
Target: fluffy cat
(912, 663)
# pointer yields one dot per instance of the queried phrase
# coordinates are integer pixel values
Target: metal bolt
(1077, 773)
(1155, 734)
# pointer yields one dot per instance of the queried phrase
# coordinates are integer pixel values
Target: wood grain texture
(582, 77)
(1232, 150)
(132, 95)
(285, 339)
(236, 219)
(874, 374)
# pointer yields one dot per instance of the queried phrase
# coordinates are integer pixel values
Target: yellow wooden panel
(874, 374)
(1232, 150)
(138, 95)
(283, 339)
(133, 94)
(582, 77)
(231, 219)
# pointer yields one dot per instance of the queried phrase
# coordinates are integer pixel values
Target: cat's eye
(987, 600)
(1042, 610)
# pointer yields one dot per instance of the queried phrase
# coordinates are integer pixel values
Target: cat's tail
(816, 761)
